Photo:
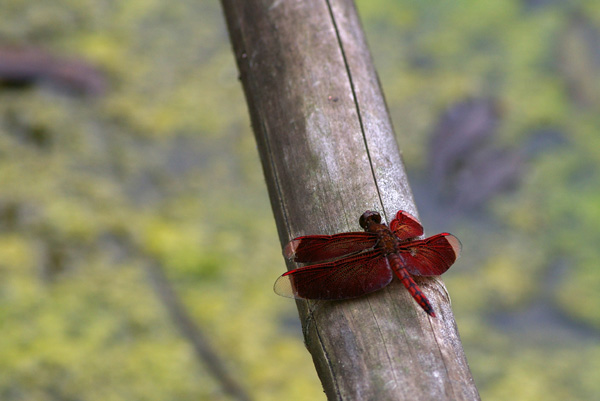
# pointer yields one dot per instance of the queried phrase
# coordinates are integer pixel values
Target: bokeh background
(125, 146)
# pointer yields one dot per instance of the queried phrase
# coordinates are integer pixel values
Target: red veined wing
(406, 226)
(431, 256)
(345, 278)
(316, 248)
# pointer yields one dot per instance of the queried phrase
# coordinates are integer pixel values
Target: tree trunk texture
(329, 153)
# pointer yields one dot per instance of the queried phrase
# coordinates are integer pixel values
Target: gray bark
(329, 153)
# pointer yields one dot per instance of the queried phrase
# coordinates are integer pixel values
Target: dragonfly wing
(317, 248)
(431, 256)
(345, 278)
(406, 226)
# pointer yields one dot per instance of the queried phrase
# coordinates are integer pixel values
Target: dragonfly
(351, 264)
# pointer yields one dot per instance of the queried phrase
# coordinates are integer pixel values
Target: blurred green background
(146, 153)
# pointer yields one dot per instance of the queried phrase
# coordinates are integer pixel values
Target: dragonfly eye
(367, 217)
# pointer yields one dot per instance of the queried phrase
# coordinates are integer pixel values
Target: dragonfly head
(369, 217)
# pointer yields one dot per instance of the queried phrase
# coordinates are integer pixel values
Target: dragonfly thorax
(387, 241)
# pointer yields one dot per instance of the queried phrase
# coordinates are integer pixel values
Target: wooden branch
(329, 153)
(193, 333)
(25, 66)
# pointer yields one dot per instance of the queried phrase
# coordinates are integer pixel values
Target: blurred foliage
(166, 161)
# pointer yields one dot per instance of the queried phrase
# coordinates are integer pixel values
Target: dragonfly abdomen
(410, 284)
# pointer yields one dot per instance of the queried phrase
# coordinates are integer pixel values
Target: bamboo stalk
(329, 153)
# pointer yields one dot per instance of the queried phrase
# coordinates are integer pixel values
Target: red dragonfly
(352, 264)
